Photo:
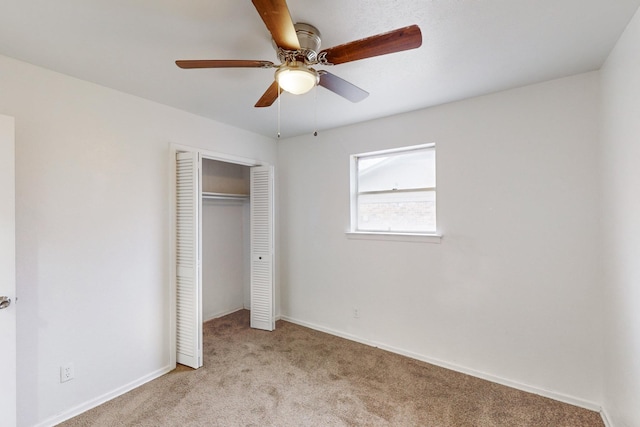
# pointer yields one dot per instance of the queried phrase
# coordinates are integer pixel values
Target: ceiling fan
(297, 47)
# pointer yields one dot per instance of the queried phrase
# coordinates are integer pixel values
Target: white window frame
(354, 233)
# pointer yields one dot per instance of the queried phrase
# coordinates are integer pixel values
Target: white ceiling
(470, 47)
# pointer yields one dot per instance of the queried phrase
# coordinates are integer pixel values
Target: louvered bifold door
(188, 313)
(262, 256)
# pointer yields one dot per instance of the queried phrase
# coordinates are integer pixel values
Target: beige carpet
(295, 376)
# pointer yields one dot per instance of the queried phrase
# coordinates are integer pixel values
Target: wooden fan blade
(223, 63)
(394, 41)
(276, 16)
(342, 87)
(269, 96)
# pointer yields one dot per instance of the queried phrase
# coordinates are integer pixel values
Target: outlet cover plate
(67, 372)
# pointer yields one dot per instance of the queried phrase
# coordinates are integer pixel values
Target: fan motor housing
(309, 39)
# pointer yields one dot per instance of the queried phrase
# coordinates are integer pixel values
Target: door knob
(4, 302)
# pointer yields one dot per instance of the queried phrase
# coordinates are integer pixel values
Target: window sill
(395, 237)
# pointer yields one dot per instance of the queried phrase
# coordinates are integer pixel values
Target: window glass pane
(400, 212)
(413, 169)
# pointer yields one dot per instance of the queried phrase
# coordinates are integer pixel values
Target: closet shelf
(224, 196)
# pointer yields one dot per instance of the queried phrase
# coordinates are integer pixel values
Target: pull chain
(315, 110)
(279, 93)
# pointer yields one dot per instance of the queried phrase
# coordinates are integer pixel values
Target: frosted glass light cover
(296, 80)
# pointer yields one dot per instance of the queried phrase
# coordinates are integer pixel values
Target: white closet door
(188, 289)
(262, 256)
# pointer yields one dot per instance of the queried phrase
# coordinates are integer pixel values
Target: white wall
(225, 251)
(92, 180)
(512, 291)
(621, 225)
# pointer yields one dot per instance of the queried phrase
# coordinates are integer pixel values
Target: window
(394, 191)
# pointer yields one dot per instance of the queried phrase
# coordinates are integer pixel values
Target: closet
(224, 246)
(225, 238)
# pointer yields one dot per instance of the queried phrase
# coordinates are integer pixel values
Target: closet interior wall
(225, 238)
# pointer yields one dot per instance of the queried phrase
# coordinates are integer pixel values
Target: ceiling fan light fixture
(296, 79)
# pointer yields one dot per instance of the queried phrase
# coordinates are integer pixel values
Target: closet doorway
(223, 240)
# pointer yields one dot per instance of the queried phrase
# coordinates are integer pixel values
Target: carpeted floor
(295, 376)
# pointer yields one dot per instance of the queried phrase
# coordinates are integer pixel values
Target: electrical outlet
(66, 372)
(356, 313)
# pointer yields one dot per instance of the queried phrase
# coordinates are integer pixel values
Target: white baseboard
(495, 379)
(77, 410)
(606, 419)
(221, 314)
(225, 313)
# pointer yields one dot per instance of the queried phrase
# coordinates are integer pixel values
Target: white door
(188, 273)
(262, 248)
(7, 274)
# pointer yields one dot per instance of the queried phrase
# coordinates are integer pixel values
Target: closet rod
(224, 196)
